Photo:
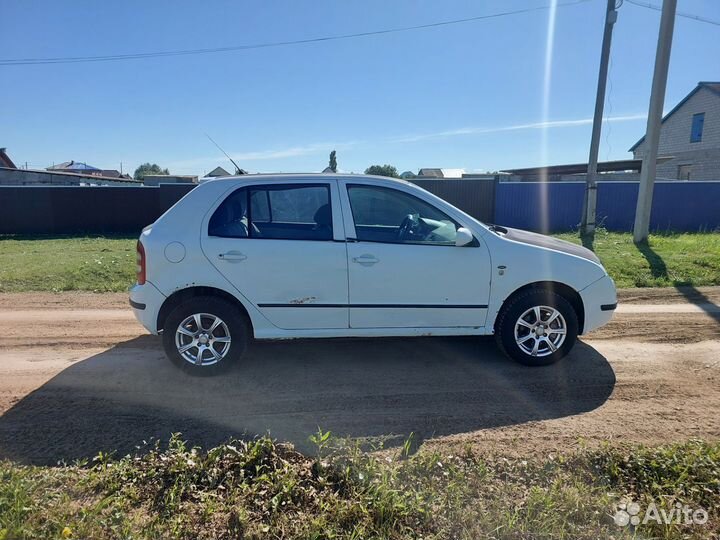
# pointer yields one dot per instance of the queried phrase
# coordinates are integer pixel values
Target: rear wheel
(537, 327)
(205, 335)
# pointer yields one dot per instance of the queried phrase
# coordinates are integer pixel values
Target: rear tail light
(140, 263)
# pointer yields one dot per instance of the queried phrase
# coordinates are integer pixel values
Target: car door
(276, 244)
(404, 269)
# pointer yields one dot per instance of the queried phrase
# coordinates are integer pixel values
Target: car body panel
(599, 299)
(351, 299)
(414, 285)
(284, 279)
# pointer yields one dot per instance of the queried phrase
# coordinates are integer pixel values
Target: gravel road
(78, 375)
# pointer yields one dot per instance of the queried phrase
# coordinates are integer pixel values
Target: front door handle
(366, 260)
(233, 256)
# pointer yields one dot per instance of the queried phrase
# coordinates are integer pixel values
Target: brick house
(690, 135)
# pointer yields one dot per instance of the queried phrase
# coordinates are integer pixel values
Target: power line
(679, 13)
(158, 54)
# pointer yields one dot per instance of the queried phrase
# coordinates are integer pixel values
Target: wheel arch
(180, 296)
(561, 289)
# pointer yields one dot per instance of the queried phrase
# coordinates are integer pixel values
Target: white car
(319, 255)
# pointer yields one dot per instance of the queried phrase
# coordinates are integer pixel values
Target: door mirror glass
(464, 237)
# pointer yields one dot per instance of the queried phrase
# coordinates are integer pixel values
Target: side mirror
(464, 237)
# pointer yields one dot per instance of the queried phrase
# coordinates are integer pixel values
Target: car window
(230, 219)
(260, 206)
(281, 212)
(388, 215)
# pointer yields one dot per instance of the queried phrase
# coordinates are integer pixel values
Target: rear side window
(230, 220)
(280, 212)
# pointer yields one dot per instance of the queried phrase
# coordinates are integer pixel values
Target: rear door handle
(366, 260)
(234, 256)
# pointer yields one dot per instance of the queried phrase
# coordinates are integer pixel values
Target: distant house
(114, 173)
(690, 136)
(29, 177)
(5, 160)
(77, 167)
(217, 171)
(622, 170)
(440, 173)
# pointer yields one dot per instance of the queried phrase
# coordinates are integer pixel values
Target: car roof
(309, 176)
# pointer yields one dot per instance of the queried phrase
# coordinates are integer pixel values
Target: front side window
(280, 212)
(388, 215)
(696, 131)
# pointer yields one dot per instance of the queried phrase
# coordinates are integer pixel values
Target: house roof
(72, 166)
(579, 168)
(436, 173)
(714, 87)
(5, 160)
(428, 172)
(217, 171)
(79, 175)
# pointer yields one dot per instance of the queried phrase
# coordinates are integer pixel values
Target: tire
(520, 313)
(218, 349)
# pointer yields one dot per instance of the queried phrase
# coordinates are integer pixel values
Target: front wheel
(205, 335)
(537, 327)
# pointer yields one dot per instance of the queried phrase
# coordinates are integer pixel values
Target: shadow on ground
(358, 388)
(658, 269)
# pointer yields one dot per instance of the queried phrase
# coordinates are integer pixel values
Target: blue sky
(467, 96)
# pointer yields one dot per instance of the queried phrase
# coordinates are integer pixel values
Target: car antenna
(237, 168)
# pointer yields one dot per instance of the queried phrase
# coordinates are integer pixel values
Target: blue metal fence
(557, 206)
(544, 207)
(539, 206)
(677, 206)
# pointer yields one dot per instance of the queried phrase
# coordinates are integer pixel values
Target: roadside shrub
(260, 488)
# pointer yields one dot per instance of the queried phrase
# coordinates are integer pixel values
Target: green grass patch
(667, 259)
(262, 489)
(69, 263)
(108, 264)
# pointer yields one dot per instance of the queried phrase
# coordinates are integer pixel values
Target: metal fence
(544, 207)
(80, 209)
(475, 197)
(557, 206)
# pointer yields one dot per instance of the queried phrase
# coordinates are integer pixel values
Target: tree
(148, 168)
(382, 170)
(333, 161)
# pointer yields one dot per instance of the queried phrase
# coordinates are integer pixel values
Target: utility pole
(652, 134)
(590, 202)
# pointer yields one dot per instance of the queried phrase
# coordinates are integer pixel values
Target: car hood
(535, 239)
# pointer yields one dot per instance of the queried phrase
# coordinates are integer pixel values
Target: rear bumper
(146, 301)
(600, 301)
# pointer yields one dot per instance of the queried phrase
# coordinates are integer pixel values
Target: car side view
(324, 255)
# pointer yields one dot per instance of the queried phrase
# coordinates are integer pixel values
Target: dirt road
(78, 375)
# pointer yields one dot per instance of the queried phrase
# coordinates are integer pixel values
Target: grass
(67, 263)
(668, 259)
(108, 264)
(261, 489)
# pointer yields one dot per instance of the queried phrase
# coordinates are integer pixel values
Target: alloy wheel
(540, 331)
(202, 339)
